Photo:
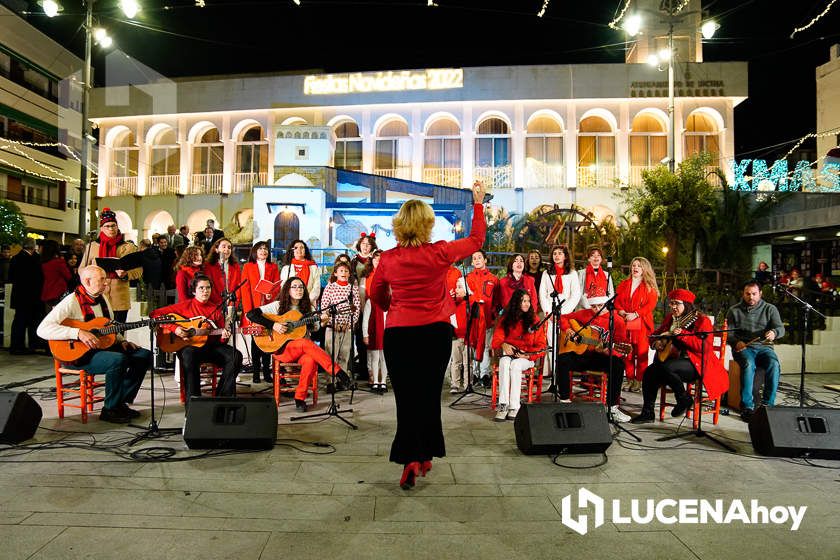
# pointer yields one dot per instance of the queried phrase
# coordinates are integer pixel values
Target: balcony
(544, 175)
(636, 179)
(37, 201)
(499, 177)
(401, 172)
(122, 186)
(444, 176)
(244, 182)
(596, 176)
(206, 183)
(163, 184)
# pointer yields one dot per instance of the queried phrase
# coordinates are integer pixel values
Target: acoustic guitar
(100, 327)
(591, 339)
(664, 345)
(199, 330)
(270, 341)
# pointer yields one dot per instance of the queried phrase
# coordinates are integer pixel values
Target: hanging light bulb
(129, 8)
(50, 7)
(709, 28)
(653, 60)
(633, 24)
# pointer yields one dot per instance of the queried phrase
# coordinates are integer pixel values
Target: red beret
(682, 295)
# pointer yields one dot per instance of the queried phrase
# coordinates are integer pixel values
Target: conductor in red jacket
(685, 365)
(410, 284)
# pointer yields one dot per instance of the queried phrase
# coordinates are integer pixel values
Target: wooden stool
(207, 372)
(593, 383)
(81, 391)
(531, 383)
(290, 370)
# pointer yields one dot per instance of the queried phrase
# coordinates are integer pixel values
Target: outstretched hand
(479, 190)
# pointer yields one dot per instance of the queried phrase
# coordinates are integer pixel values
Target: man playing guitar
(597, 358)
(124, 364)
(214, 350)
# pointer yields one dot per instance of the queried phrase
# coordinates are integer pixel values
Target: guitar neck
(122, 327)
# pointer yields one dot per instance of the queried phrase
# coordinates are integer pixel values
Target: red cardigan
(250, 297)
(217, 279)
(716, 379)
(525, 341)
(410, 282)
(56, 277)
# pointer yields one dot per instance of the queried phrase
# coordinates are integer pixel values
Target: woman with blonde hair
(635, 300)
(410, 285)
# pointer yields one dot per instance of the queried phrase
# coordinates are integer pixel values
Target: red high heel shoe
(409, 474)
(425, 467)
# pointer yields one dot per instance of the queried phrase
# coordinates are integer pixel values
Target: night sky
(228, 37)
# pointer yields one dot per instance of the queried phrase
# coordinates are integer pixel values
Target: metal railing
(122, 186)
(591, 176)
(206, 183)
(244, 182)
(499, 177)
(163, 184)
(36, 200)
(401, 172)
(444, 176)
(544, 175)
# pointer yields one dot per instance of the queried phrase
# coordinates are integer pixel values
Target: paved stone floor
(75, 499)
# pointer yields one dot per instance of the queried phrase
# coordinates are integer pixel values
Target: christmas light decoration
(541, 13)
(38, 163)
(35, 173)
(66, 148)
(814, 20)
(614, 23)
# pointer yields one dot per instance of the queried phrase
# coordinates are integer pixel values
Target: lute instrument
(102, 328)
(664, 345)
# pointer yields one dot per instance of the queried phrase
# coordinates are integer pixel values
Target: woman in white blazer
(558, 276)
(299, 263)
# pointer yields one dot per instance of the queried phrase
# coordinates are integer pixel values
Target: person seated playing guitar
(519, 349)
(124, 364)
(273, 316)
(682, 364)
(207, 343)
(594, 354)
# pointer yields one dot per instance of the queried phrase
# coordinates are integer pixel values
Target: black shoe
(342, 381)
(256, 377)
(747, 414)
(486, 381)
(683, 404)
(114, 416)
(300, 405)
(130, 412)
(645, 417)
(269, 378)
(283, 382)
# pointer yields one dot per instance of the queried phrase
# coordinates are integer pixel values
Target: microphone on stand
(609, 263)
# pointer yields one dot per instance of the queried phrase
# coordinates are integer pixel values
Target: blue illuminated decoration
(803, 177)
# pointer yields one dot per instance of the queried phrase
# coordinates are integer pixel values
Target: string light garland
(20, 152)
(614, 23)
(541, 13)
(67, 148)
(682, 5)
(35, 173)
(813, 21)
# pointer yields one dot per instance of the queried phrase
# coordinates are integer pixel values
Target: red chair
(81, 392)
(531, 383)
(208, 376)
(290, 371)
(706, 405)
(588, 386)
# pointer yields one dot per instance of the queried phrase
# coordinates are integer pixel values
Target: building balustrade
(544, 175)
(592, 176)
(444, 176)
(244, 182)
(163, 184)
(206, 183)
(499, 177)
(122, 186)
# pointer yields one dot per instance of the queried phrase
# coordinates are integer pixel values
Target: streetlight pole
(671, 131)
(83, 179)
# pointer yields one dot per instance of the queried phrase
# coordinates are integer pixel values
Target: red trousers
(636, 362)
(309, 355)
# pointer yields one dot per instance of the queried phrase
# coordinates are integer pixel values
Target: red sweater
(191, 308)
(519, 337)
(217, 279)
(410, 282)
(602, 321)
(56, 276)
(506, 288)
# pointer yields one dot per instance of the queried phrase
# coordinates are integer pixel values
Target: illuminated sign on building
(367, 82)
(777, 176)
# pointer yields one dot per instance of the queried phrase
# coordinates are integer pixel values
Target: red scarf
(301, 270)
(516, 284)
(86, 302)
(558, 279)
(593, 282)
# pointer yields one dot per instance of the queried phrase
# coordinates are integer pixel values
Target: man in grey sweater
(756, 323)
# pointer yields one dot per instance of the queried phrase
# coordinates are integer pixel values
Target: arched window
(251, 160)
(124, 163)
(648, 145)
(492, 153)
(596, 153)
(702, 135)
(393, 150)
(348, 146)
(166, 163)
(544, 152)
(442, 153)
(208, 161)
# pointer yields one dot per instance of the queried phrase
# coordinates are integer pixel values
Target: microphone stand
(354, 385)
(469, 389)
(807, 308)
(333, 410)
(555, 332)
(698, 392)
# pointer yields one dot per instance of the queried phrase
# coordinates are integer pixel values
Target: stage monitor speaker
(544, 429)
(231, 423)
(19, 417)
(788, 431)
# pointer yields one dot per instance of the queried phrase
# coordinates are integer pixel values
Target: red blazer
(183, 278)
(525, 341)
(57, 275)
(250, 297)
(643, 301)
(506, 289)
(410, 282)
(716, 379)
(214, 271)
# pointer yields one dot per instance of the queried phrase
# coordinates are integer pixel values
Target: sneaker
(511, 415)
(454, 390)
(747, 414)
(618, 415)
(501, 413)
(683, 404)
(565, 401)
(645, 417)
(114, 416)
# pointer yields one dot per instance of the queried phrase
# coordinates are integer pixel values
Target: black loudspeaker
(231, 423)
(19, 417)
(788, 431)
(543, 429)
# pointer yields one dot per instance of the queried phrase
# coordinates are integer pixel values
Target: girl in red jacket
(519, 348)
(373, 329)
(190, 264)
(635, 300)
(259, 267)
(223, 270)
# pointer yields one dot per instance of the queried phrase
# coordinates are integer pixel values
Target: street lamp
(634, 24)
(51, 9)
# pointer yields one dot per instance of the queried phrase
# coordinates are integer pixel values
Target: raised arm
(463, 248)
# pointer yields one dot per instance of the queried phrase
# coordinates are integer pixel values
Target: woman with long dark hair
(410, 284)
(559, 279)
(299, 262)
(259, 267)
(516, 279)
(518, 350)
(223, 269)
